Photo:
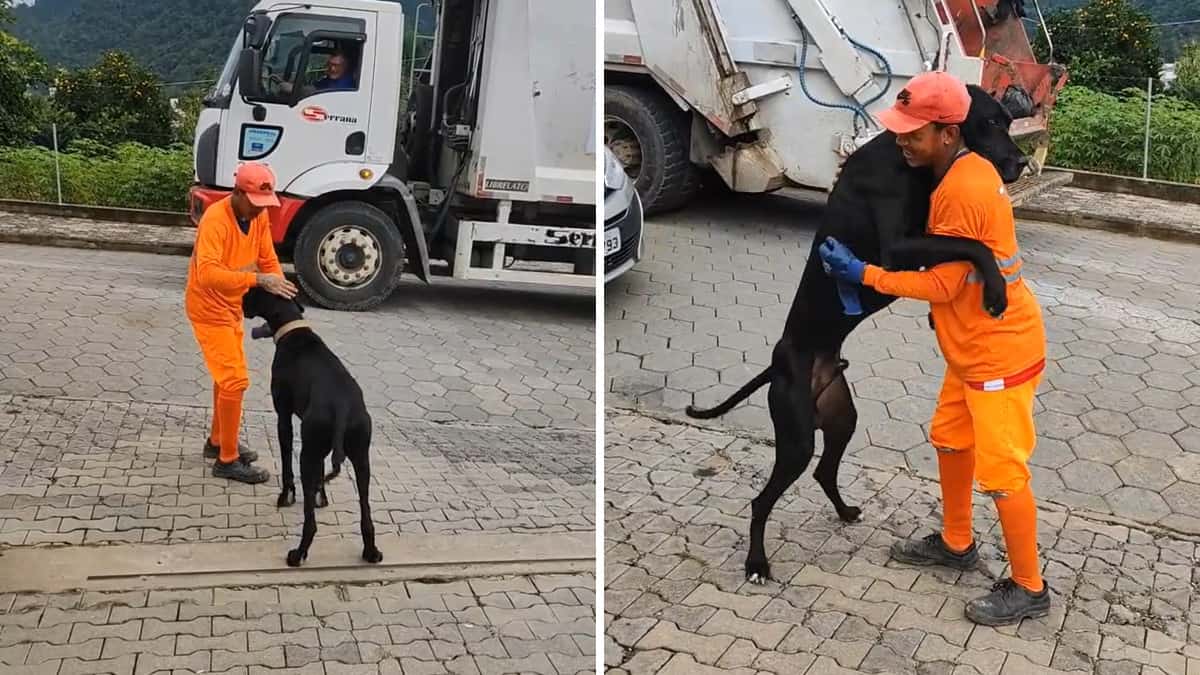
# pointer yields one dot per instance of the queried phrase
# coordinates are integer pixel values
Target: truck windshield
(219, 95)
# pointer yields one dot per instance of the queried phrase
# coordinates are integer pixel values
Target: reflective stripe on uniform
(1002, 383)
(1010, 269)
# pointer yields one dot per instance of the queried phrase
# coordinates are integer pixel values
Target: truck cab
(480, 165)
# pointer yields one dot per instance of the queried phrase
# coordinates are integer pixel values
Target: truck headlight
(615, 177)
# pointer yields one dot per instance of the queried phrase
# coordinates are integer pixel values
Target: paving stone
(706, 649)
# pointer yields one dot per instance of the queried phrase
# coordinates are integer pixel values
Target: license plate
(612, 241)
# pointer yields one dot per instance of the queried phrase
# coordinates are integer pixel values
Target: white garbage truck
(485, 162)
(770, 94)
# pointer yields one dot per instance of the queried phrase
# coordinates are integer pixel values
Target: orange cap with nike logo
(257, 181)
(929, 97)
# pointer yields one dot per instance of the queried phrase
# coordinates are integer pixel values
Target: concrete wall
(1158, 189)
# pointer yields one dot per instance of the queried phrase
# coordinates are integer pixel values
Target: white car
(622, 220)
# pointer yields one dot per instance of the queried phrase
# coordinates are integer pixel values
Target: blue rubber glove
(840, 262)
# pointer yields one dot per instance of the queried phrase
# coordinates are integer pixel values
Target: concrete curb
(122, 215)
(1109, 223)
(1141, 187)
(85, 241)
(261, 563)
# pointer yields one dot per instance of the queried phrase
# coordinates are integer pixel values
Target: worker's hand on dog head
(276, 310)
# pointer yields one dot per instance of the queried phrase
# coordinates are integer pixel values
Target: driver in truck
(233, 253)
(337, 77)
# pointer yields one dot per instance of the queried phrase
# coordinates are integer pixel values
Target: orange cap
(257, 181)
(928, 97)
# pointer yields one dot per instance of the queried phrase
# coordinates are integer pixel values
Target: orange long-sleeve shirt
(971, 201)
(224, 262)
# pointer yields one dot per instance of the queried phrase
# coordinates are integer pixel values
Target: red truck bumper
(200, 198)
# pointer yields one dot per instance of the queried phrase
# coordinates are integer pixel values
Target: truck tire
(349, 256)
(660, 135)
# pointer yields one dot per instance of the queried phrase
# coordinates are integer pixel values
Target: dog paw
(758, 573)
(996, 304)
(286, 498)
(333, 474)
(372, 555)
(322, 500)
(851, 514)
(295, 557)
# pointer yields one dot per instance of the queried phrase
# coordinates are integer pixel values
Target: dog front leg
(926, 251)
(287, 493)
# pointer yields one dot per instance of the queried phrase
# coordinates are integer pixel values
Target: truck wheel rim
(625, 144)
(349, 257)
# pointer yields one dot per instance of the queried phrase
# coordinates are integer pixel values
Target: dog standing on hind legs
(309, 381)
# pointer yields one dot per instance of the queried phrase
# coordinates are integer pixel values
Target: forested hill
(1162, 11)
(180, 40)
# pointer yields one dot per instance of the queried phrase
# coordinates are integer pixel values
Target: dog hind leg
(839, 418)
(790, 401)
(359, 443)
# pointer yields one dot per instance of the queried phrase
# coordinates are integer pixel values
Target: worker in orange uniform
(233, 253)
(983, 427)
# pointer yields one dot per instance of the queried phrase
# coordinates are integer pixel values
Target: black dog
(308, 380)
(879, 208)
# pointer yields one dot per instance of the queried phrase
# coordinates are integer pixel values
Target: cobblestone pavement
(539, 624)
(676, 602)
(100, 472)
(1118, 412)
(107, 325)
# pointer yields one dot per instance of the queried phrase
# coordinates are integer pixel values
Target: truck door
(314, 96)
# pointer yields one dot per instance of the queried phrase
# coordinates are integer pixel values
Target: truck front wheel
(349, 256)
(651, 137)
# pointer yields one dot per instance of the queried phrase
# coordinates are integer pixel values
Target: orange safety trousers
(989, 436)
(225, 357)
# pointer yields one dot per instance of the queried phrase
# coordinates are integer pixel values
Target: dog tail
(738, 396)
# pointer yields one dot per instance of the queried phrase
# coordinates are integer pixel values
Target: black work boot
(214, 451)
(1008, 603)
(243, 472)
(932, 550)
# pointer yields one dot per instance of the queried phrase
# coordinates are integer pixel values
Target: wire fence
(1135, 127)
(139, 171)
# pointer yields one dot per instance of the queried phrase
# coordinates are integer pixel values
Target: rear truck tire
(651, 137)
(349, 256)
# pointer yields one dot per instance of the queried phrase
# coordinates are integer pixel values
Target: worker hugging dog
(234, 274)
(983, 426)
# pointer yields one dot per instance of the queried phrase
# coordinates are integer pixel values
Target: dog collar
(289, 327)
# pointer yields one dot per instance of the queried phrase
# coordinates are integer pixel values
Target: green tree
(1187, 73)
(1107, 45)
(21, 69)
(115, 101)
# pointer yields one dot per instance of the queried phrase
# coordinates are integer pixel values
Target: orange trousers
(989, 436)
(225, 357)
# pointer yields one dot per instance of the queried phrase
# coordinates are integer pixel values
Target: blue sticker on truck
(258, 141)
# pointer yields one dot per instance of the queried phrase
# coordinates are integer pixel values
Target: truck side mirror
(249, 85)
(256, 28)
